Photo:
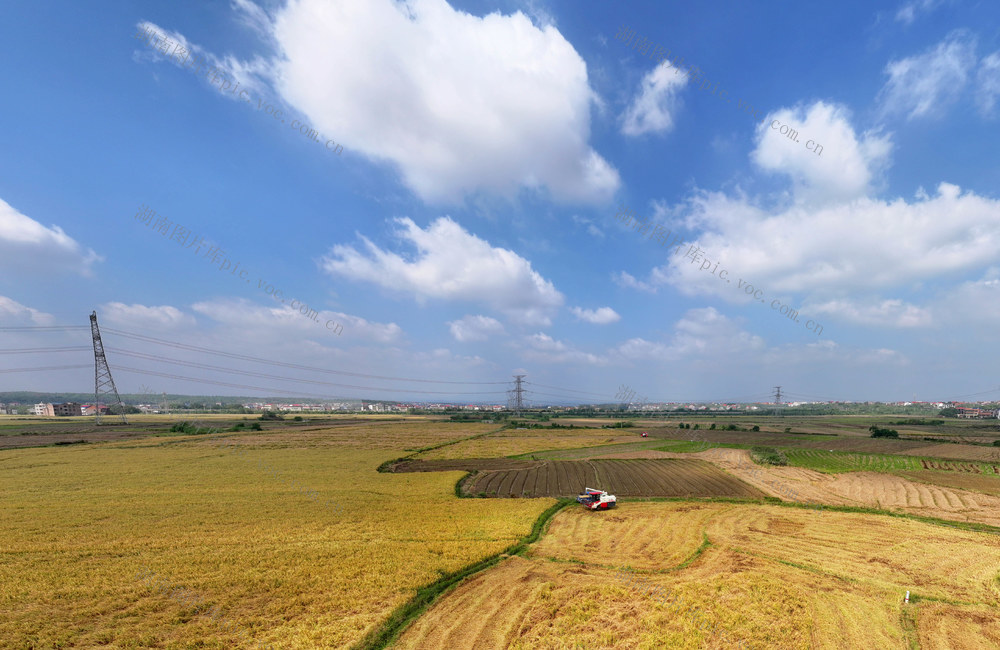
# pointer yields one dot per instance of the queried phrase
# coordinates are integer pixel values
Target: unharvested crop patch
(467, 465)
(624, 478)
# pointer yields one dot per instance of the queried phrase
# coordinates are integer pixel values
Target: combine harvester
(597, 499)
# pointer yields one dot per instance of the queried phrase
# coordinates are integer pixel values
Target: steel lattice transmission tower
(518, 392)
(777, 395)
(103, 383)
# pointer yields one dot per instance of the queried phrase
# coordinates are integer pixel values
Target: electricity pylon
(518, 401)
(103, 383)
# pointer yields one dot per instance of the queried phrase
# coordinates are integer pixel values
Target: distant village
(962, 410)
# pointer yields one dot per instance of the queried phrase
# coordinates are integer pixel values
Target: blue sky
(466, 231)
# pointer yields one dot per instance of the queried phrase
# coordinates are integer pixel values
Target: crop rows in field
(629, 478)
(973, 468)
(834, 462)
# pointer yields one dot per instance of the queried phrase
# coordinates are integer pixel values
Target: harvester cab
(597, 499)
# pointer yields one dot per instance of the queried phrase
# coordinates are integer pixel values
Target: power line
(243, 357)
(203, 366)
(71, 348)
(43, 328)
(992, 390)
(45, 368)
(568, 390)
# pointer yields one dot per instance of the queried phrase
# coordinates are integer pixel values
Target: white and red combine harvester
(597, 499)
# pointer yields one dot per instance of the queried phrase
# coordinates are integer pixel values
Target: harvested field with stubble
(769, 577)
(626, 478)
(865, 489)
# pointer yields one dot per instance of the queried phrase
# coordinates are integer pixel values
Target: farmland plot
(772, 578)
(628, 478)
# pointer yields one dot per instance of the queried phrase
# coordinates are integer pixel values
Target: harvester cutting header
(597, 499)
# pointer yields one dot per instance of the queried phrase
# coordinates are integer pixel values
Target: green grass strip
(381, 636)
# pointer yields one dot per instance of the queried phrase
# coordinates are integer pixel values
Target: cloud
(440, 93)
(907, 13)
(847, 165)
(246, 315)
(699, 333)
(988, 84)
(14, 313)
(851, 247)
(475, 328)
(885, 313)
(253, 76)
(543, 348)
(976, 302)
(926, 84)
(652, 107)
(627, 281)
(452, 264)
(140, 317)
(592, 229)
(602, 316)
(27, 246)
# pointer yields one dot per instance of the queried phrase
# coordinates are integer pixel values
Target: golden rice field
(511, 442)
(301, 546)
(290, 537)
(769, 577)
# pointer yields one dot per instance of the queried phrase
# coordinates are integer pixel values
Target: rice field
(713, 575)
(291, 537)
(173, 542)
(836, 462)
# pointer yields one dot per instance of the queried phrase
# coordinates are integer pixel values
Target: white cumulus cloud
(138, 316)
(474, 328)
(28, 246)
(891, 313)
(656, 100)
(13, 312)
(601, 316)
(452, 264)
(460, 104)
(926, 84)
(846, 167)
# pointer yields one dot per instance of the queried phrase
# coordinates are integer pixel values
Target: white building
(43, 409)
